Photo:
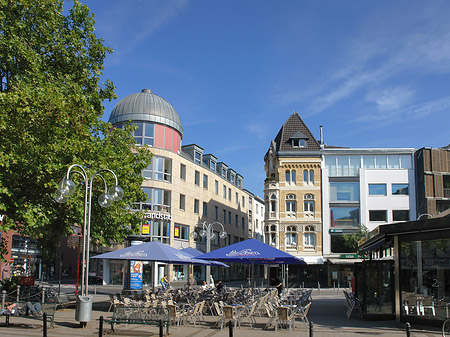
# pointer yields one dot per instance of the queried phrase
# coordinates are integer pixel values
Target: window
(311, 177)
(291, 203)
(159, 169)
(197, 178)
(305, 176)
(157, 200)
(181, 231)
(400, 215)
(212, 166)
(243, 201)
(377, 189)
(144, 134)
(293, 179)
(182, 171)
(344, 191)
(291, 237)
(205, 209)
(256, 224)
(216, 187)
(344, 217)
(239, 183)
(400, 189)
(205, 181)
(216, 213)
(229, 194)
(224, 216)
(197, 157)
(157, 230)
(380, 162)
(182, 202)
(232, 178)
(309, 237)
(224, 191)
(377, 215)
(196, 206)
(273, 203)
(229, 217)
(298, 142)
(288, 176)
(224, 173)
(236, 220)
(308, 206)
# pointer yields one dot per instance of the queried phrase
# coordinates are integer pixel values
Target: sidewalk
(327, 314)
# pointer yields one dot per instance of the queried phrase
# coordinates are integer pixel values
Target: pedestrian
(277, 284)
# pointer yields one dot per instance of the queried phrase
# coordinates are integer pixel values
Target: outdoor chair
(220, 314)
(270, 312)
(229, 313)
(284, 316)
(250, 314)
(301, 311)
(427, 303)
(194, 312)
(175, 314)
(112, 298)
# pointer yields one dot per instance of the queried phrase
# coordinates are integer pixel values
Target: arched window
(291, 237)
(308, 203)
(273, 203)
(291, 203)
(309, 237)
(305, 176)
(293, 179)
(288, 176)
(311, 177)
(271, 235)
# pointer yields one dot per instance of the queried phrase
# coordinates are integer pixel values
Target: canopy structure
(251, 251)
(195, 252)
(152, 251)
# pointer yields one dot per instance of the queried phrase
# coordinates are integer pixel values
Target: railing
(446, 192)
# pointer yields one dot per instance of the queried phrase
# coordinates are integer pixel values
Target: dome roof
(146, 107)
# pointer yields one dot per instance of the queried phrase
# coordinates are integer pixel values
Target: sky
(372, 73)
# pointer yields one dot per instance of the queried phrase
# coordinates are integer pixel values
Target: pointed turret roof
(295, 128)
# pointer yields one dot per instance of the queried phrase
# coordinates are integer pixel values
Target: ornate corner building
(292, 192)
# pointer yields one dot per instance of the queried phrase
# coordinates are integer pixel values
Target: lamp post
(207, 231)
(66, 188)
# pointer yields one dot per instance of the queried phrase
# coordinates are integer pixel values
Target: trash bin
(84, 308)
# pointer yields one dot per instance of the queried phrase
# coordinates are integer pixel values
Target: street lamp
(67, 187)
(207, 231)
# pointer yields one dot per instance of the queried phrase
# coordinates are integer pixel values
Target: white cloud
(390, 98)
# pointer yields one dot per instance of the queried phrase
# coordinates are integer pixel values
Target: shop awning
(344, 261)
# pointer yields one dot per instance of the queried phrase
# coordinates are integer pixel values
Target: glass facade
(344, 191)
(344, 217)
(425, 278)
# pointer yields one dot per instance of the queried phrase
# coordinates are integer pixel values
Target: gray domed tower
(158, 123)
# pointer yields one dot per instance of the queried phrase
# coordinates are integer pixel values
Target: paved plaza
(327, 314)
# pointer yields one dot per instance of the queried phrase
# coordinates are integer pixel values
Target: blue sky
(373, 73)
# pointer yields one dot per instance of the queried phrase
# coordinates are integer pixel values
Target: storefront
(418, 271)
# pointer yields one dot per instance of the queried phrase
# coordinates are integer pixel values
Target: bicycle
(446, 328)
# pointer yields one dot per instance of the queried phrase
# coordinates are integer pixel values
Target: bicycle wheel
(446, 328)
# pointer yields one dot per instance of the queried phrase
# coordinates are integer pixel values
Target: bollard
(161, 330)
(339, 286)
(334, 285)
(408, 329)
(18, 293)
(3, 298)
(95, 288)
(44, 325)
(230, 324)
(318, 288)
(100, 327)
(43, 295)
(311, 329)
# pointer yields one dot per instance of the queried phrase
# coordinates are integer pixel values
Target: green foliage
(50, 118)
(351, 240)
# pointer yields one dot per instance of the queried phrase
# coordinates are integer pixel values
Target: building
(293, 199)
(185, 187)
(433, 180)
(362, 187)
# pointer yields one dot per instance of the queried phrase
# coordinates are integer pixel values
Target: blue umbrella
(195, 252)
(152, 251)
(251, 251)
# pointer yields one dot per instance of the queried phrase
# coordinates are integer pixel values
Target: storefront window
(425, 278)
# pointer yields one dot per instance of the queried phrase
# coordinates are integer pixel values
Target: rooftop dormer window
(298, 139)
(197, 157)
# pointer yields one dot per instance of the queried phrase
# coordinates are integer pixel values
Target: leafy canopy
(50, 117)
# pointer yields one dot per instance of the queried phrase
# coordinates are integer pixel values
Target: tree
(351, 240)
(50, 118)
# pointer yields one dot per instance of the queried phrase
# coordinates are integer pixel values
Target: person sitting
(219, 287)
(164, 282)
(205, 286)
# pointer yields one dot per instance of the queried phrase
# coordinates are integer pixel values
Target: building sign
(349, 256)
(336, 230)
(177, 231)
(158, 216)
(145, 229)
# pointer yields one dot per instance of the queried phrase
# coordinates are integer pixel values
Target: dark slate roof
(294, 127)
